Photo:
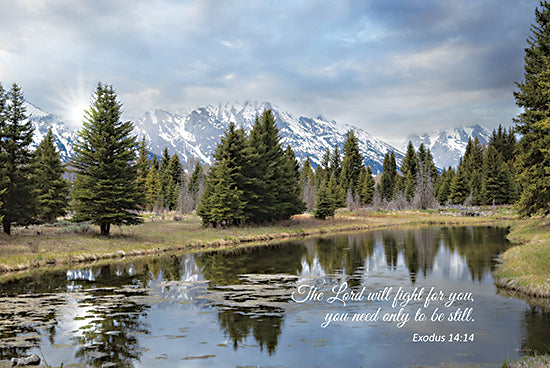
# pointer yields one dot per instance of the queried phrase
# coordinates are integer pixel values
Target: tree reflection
(536, 323)
(115, 320)
(477, 245)
(224, 268)
(265, 326)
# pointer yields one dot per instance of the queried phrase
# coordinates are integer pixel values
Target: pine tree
(51, 190)
(366, 189)
(473, 166)
(352, 163)
(290, 198)
(195, 182)
(16, 134)
(533, 160)
(153, 189)
(335, 164)
(409, 170)
(105, 187)
(165, 177)
(142, 167)
(266, 172)
(387, 181)
(325, 205)
(222, 202)
(459, 187)
(173, 181)
(337, 192)
(231, 159)
(444, 190)
(307, 182)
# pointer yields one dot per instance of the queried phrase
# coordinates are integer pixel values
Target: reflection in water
(114, 323)
(247, 291)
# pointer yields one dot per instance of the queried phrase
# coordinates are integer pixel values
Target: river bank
(525, 267)
(38, 247)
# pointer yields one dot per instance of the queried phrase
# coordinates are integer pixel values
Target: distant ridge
(448, 145)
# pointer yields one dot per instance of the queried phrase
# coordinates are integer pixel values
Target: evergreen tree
(142, 167)
(473, 165)
(267, 172)
(290, 195)
(195, 182)
(533, 160)
(387, 181)
(444, 190)
(366, 186)
(335, 164)
(323, 171)
(222, 202)
(165, 177)
(337, 192)
(352, 163)
(409, 169)
(16, 134)
(325, 205)
(51, 190)
(105, 187)
(497, 185)
(153, 189)
(307, 182)
(173, 181)
(459, 187)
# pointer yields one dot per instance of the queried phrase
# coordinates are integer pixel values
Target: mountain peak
(448, 145)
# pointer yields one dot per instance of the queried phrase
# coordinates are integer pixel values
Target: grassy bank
(42, 246)
(526, 268)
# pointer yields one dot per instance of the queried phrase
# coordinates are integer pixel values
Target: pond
(387, 298)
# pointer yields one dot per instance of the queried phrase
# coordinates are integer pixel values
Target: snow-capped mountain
(448, 145)
(196, 132)
(62, 131)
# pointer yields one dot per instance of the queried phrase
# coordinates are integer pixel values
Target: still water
(228, 309)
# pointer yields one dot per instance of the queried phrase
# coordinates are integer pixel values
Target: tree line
(254, 179)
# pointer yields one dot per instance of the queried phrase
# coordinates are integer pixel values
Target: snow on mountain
(42, 121)
(196, 132)
(448, 145)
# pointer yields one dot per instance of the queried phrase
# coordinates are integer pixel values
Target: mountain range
(194, 133)
(448, 145)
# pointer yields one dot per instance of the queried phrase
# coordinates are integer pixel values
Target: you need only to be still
(342, 294)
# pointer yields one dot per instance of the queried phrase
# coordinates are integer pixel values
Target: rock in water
(22, 362)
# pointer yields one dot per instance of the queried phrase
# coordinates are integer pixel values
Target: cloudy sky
(392, 67)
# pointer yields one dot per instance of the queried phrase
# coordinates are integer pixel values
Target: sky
(391, 67)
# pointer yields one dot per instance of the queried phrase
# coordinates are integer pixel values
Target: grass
(526, 268)
(539, 361)
(68, 243)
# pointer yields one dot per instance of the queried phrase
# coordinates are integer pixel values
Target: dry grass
(40, 246)
(541, 361)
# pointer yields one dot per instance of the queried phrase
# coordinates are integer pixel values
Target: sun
(73, 102)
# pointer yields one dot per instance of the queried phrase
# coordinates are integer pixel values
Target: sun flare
(73, 102)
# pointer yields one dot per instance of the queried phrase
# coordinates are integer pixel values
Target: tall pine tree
(386, 187)
(16, 133)
(50, 188)
(105, 187)
(533, 161)
(352, 163)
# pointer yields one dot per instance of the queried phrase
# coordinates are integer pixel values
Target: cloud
(389, 67)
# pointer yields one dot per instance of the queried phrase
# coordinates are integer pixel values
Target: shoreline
(32, 252)
(524, 268)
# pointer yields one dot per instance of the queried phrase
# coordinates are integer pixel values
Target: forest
(114, 180)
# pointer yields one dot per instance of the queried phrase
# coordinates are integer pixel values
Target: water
(236, 308)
